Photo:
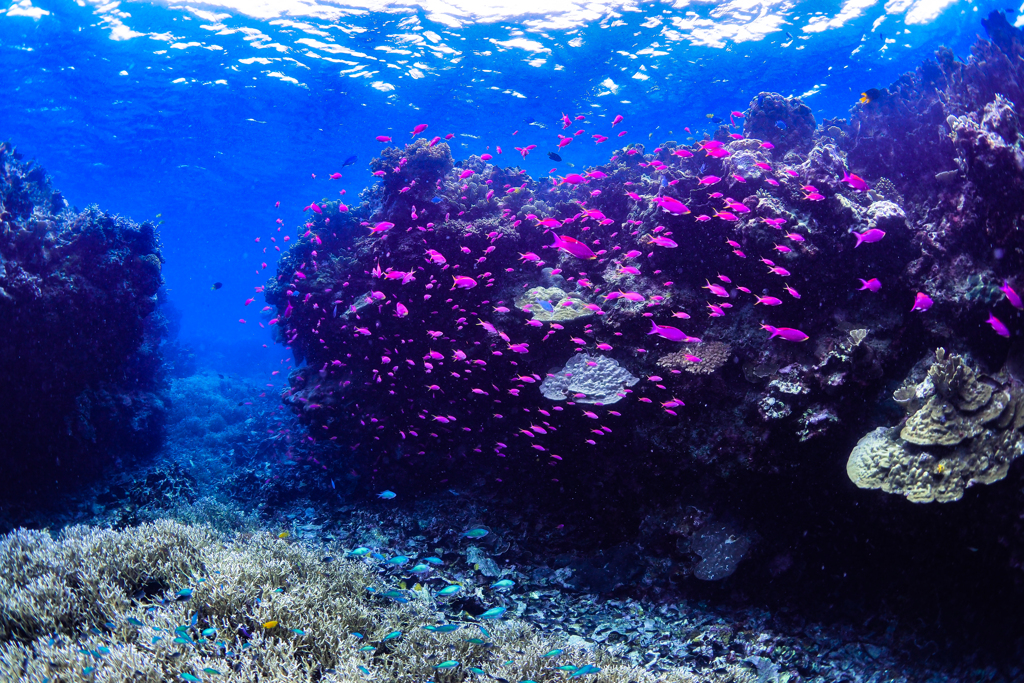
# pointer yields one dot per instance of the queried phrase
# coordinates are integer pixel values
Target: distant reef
(80, 366)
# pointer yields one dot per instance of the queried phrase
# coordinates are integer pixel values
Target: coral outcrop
(80, 361)
(962, 428)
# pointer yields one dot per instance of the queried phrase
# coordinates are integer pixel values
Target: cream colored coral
(713, 355)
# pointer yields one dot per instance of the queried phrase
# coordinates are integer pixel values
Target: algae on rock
(962, 428)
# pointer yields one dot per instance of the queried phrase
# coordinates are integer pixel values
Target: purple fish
(787, 333)
(670, 333)
(872, 235)
(922, 302)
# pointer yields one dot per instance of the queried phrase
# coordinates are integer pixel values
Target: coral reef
(80, 350)
(564, 305)
(166, 601)
(961, 429)
(712, 354)
(585, 379)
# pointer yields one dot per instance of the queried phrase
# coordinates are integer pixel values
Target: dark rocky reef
(426, 342)
(80, 363)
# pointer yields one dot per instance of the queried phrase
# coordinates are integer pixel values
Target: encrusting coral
(969, 424)
(712, 354)
(166, 601)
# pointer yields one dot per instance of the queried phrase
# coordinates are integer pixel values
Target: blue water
(208, 116)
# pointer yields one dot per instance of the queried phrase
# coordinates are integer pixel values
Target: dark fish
(529, 120)
(348, 162)
(554, 157)
(780, 124)
(217, 285)
(716, 119)
(790, 35)
(871, 95)
(436, 200)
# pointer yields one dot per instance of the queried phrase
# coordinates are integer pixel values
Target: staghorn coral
(968, 424)
(167, 602)
(587, 379)
(713, 355)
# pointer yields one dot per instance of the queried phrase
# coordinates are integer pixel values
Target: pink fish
(383, 138)
(726, 215)
(683, 153)
(629, 270)
(519, 348)
(767, 145)
(617, 120)
(922, 302)
(767, 300)
(997, 325)
(381, 227)
(418, 129)
(632, 296)
(872, 235)
(779, 270)
(669, 333)
(709, 180)
(794, 236)
(335, 176)
(529, 256)
(715, 311)
(550, 223)
(573, 179)
(792, 292)
(787, 333)
(596, 174)
(465, 174)
(401, 311)
(717, 290)
(856, 182)
(463, 282)
(662, 242)
(1011, 295)
(315, 208)
(574, 246)
(873, 284)
(672, 205)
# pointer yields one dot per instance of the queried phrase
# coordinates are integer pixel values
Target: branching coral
(172, 602)
(712, 354)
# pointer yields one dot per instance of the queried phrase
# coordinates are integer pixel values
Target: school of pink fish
(427, 353)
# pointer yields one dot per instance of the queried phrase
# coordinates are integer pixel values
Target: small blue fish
(433, 560)
(397, 560)
(487, 634)
(134, 622)
(348, 162)
(87, 671)
(664, 181)
(420, 569)
(359, 552)
(298, 632)
(449, 590)
(185, 594)
(209, 632)
(190, 677)
(504, 583)
(436, 200)
(476, 533)
(364, 670)
(450, 664)
(447, 628)
(586, 669)
(392, 636)
(780, 124)
(393, 594)
(387, 495)
(494, 613)
(367, 648)
(546, 305)
(552, 653)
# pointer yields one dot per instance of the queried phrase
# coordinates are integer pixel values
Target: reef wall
(753, 299)
(80, 366)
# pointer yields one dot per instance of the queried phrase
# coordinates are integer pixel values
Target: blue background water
(209, 116)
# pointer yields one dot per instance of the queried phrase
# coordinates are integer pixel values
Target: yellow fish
(284, 534)
(269, 624)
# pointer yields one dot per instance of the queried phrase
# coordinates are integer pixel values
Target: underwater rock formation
(962, 428)
(79, 354)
